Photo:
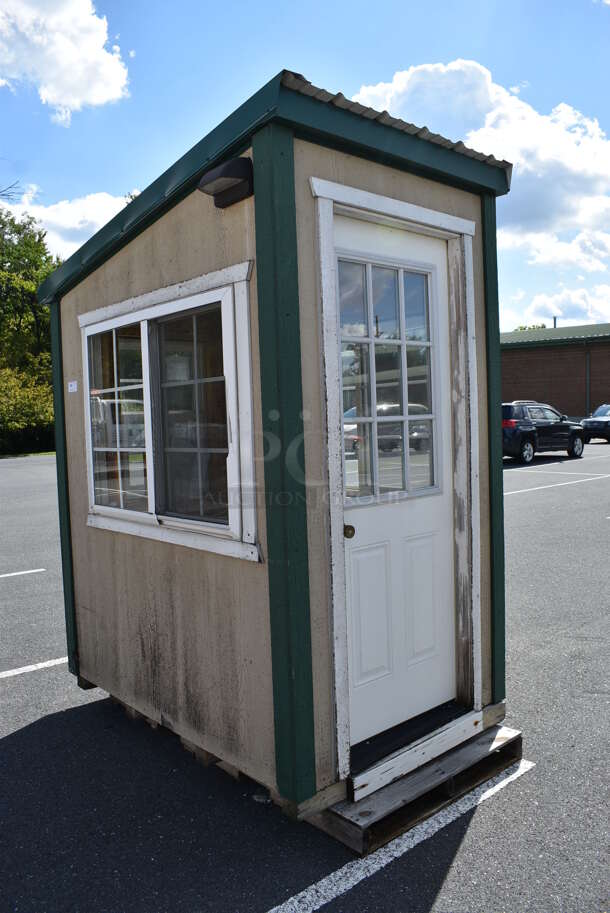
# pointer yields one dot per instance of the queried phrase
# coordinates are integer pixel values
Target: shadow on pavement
(104, 815)
(411, 883)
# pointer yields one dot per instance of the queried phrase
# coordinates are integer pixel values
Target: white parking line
(50, 662)
(522, 491)
(37, 570)
(557, 472)
(584, 459)
(588, 459)
(347, 877)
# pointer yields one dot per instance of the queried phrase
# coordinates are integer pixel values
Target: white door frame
(331, 198)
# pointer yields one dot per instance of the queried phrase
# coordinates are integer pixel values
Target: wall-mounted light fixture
(229, 182)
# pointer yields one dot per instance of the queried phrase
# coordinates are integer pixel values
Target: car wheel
(526, 452)
(577, 445)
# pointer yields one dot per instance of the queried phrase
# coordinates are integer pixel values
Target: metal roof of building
(550, 335)
(298, 83)
(313, 114)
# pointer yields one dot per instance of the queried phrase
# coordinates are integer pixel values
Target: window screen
(193, 416)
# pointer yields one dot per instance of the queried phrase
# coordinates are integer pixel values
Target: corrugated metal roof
(556, 334)
(289, 99)
(298, 83)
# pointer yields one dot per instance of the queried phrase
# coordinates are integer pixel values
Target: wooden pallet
(369, 823)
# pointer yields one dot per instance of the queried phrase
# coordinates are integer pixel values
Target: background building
(567, 367)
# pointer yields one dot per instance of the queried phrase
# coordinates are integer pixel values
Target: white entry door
(397, 463)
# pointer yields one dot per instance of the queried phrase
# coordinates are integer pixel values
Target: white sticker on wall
(72, 386)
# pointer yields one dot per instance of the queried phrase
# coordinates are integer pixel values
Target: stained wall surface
(318, 161)
(180, 634)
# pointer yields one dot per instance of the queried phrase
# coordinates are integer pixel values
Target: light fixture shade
(228, 183)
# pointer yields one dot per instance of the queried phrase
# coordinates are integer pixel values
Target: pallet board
(376, 819)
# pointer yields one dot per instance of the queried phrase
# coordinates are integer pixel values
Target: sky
(98, 98)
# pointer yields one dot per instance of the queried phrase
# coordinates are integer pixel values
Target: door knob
(349, 531)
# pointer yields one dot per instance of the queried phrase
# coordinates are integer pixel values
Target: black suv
(598, 425)
(528, 427)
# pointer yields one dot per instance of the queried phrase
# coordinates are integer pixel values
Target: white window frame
(229, 287)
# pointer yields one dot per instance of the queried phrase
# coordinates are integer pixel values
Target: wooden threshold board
(369, 752)
(369, 823)
(412, 757)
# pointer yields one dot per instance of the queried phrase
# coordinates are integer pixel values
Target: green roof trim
(341, 128)
(325, 119)
(555, 336)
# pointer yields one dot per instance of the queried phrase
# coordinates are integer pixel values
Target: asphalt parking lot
(100, 814)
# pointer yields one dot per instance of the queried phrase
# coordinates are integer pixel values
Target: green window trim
(63, 495)
(285, 492)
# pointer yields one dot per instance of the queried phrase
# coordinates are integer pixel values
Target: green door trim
(63, 496)
(285, 491)
(494, 417)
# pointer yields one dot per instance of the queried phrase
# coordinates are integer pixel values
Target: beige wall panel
(181, 635)
(318, 161)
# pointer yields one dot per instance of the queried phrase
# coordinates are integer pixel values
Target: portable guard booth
(278, 446)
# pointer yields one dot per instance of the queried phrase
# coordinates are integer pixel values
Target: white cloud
(588, 250)
(60, 46)
(132, 53)
(578, 305)
(510, 319)
(559, 205)
(69, 223)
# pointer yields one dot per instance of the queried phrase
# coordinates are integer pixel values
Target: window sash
(163, 448)
(151, 382)
(404, 344)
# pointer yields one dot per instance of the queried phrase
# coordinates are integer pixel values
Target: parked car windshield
(602, 410)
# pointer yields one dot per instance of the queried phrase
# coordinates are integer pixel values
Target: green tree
(25, 261)
(25, 359)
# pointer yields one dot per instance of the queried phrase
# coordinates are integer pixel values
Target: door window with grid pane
(386, 371)
(162, 412)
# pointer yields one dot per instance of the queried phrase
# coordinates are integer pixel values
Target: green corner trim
(494, 412)
(62, 486)
(282, 407)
